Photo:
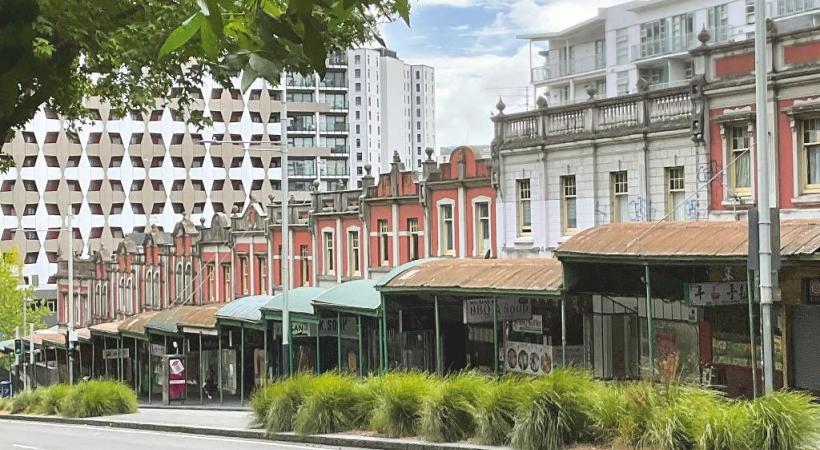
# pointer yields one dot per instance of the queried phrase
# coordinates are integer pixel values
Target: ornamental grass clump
(27, 401)
(260, 403)
(495, 415)
(608, 406)
(397, 408)
(98, 398)
(5, 404)
(332, 405)
(285, 398)
(51, 399)
(558, 413)
(784, 421)
(449, 413)
(725, 428)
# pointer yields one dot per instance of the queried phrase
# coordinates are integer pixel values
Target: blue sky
(472, 46)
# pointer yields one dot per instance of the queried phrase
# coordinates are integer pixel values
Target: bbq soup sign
(480, 310)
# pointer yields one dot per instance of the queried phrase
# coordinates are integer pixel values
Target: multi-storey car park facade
(117, 175)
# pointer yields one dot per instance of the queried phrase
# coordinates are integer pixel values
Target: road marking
(27, 447)
(259, 441)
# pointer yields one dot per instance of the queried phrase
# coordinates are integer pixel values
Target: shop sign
(327, 327)
(297, 329)
(717, 294)
(115, 353)
(480, 310)
(157, 349)
(525, 357)
(535, 325)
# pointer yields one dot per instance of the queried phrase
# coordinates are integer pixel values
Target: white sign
(298, 329)
(716, 294)
(157, 349)
(350, 329)
(524, 357)
(176, 366)
(114, 353)
(535, 325)
(480, 310)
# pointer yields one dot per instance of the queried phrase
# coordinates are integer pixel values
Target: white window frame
(616, 193)
(383, 234)
(210, 273)
(729, 153)
(442, 224)
(803, 154)
(243, 274)
(413, 251)
(522, 203)
(354, 252)
(479, 246)
(566, 196)
(328, 252)
(675, 186)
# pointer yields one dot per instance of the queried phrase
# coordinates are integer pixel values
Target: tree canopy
(58, 53)
(11, 298)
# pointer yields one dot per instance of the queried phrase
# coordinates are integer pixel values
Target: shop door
(615, 341)
(804, 344)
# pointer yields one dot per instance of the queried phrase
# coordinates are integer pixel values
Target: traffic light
(18, 347)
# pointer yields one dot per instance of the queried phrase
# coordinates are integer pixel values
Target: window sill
(745, 203)
(807, 199)
(524, 241)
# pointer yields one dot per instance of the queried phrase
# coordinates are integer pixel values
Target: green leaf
(265, 68)
(214, 16)
(248, 77)
(403, 7)
(181, 35)
(209, 40)
(272, 9)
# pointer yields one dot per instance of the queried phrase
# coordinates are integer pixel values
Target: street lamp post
(70, 299)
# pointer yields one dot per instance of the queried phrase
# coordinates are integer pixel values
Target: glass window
(811, 147)
(568, 203)
(621, 46)
(740, 174)
(329, 262)
(446, 230)
(620, 196)
(355, 261)
(384, 255)
(482, 228)
(675, 193)
(413, 237)
(524, 212)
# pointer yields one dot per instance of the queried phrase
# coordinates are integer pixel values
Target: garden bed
(86, 399)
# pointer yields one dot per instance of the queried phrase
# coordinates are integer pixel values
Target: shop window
(524, 207)
(569, 211)
(446, 239)
(619, 196)
(675, 193)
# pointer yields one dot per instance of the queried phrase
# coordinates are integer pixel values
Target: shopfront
(496, 316)
(304, 349)
(247, 336)
(132, 330)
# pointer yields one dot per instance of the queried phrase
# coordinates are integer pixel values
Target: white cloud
(463, 27)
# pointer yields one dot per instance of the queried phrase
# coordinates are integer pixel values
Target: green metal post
(563, 329)
(150, 368)
(242, 365)
(290, 346)
(361, 352)
(219, 363)
(120, 362)
(105, 350)
(438, 336)
(750, 275)
(265, 350)
(339, 341)
(383, 336)
(136, 365)
(201, 383)
(318, 359)
(93, 359)
(495, 335)
(649, 329)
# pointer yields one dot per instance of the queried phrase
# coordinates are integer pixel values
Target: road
(20, 435)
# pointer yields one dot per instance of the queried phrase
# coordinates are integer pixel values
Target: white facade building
(647, 39)
(392, 110)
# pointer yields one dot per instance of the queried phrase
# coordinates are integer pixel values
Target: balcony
(333, 127)
(791, 7)
(337, 59)
(563, 68)
(648, 111)
(334, 84)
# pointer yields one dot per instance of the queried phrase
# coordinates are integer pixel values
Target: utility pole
(764, 234)
(31, 356)
(285, 257)
(70, 351)
(25, 366)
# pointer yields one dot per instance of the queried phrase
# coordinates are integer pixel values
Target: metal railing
(337, 60)
(789, 7)
(562, 68)
(671, 107)
(333, 127)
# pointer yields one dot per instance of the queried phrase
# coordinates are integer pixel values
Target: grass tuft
(98, 398)
(26, 401)
(399, 399)
(449, 413)
(495, 416)
(784, 421)
(286, 397)
(51, 399)
(331, 406)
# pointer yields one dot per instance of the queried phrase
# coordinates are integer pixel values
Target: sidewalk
(237, 424)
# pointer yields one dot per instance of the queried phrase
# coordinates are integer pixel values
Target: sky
(473, 47)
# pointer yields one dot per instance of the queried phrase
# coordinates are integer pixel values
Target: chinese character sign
(717, 294)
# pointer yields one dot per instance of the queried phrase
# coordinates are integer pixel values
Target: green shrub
(260, 403)
(608, 406)
(50, 399)
(27, 401)
(725, 428)
(449, 413)
(784, 421)
(5, 404)
(558, 412)
(285, 398)
(98, 398)
(331, 406)
(400, 396)
(497, 411)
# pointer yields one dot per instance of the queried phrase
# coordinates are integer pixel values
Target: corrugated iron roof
(484, 275)
(707, 239)
(357, 294)
(105, 328)
(84, 334)
(136, 324)
(170, 320)
(246, 309)
(298, 300)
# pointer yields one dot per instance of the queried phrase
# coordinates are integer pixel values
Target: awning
(476, 276)
(134, 326)
(684, 242)
(185, 319)
(299, 304)
(245, 310)
(84, 335)
(357, 296)
(7, 346)
(107, 328)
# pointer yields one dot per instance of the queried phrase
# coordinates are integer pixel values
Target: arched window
(178, 283)
(129, 295)
(104, 301)
(97, 299)
(189, 284)
(121, 297)
(149, 289)
(157, 297)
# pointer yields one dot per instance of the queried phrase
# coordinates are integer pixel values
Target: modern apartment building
(117, 175)
(606, 55)
(392, 110)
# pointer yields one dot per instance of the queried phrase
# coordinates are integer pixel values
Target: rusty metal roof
(84, 334)
(535, 276)
(702, 239)
(51, 339)
(136, 324)
(171, 320)
(105, 328)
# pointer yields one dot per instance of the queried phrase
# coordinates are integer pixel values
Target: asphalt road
(21, 435)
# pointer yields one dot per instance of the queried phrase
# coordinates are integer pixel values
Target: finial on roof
(235, 209)
(368, 168)
(429, 151)
(500, 106)
(316, 184)
(396, 156)
(592, 91)
(271, 197)
(202, 221)
(704, 36)
(541, 102)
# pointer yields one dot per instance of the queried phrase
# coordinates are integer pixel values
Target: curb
(197, 407)
(324, 439)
